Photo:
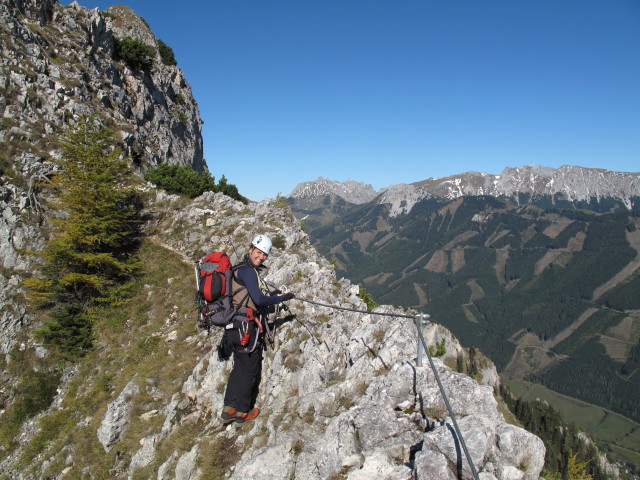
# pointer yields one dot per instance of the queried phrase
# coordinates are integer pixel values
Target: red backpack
(213, 298)
(212, 276)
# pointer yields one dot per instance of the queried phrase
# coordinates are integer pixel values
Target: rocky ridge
(340, 396)
(58, 63)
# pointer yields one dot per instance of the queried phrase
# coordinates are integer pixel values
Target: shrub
(135, 53)
(279, 241)
(230, 190)
(368, 299)
(184, 180)
(166, 53)
(439, 350)
(180, 180)
(280, 201)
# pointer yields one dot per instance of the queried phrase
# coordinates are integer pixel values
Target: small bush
(439, 350)
(183, 180)
(280, 201)
(166, 53)
(279, 241)
(181, 116)
(378, 334)
(135, 53)
(368, 299)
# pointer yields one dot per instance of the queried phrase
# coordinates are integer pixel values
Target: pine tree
(577, 470)
(91, 257)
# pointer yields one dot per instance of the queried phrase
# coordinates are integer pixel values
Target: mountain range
(567, 186)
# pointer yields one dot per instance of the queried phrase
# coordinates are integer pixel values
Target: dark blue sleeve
(249, 278)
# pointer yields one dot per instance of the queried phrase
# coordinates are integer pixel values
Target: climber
(244, 379)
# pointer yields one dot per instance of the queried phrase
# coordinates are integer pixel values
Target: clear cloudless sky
(387, 92)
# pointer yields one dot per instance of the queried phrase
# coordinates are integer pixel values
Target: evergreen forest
(550, 295)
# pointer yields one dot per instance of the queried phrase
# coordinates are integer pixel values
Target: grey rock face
(117, 416)
(59, 63)
(18, 232)
(401, 198)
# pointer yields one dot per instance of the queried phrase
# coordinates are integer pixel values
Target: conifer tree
(91, 256)
(577, 470)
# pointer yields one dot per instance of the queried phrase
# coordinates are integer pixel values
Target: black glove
(275, 292)
(288, 296)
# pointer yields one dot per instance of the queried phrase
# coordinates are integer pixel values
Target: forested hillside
(548, 294)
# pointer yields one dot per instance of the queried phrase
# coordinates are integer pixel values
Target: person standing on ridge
(250, 292)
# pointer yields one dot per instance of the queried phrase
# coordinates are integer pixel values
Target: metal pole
(420, 320)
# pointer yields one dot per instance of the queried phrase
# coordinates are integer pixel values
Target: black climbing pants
(244, 379)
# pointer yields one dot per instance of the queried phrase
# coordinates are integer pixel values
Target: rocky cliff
(56, 64)
(341, 394)
(61, 62)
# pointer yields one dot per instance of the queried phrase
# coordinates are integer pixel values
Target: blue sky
(388, 92)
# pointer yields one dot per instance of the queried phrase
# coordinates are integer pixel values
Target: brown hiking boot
(245, 417)
(228, 415)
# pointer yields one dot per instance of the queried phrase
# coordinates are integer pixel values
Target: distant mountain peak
(574, 183)
(351, 191)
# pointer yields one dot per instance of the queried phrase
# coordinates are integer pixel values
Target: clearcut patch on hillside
(502, 255)
(363, 238)
(532, 354)
(422, 294)
(439, 262)
(558, 224)
(457, 259)
(495, 237)
(627, 271)
(619, 340)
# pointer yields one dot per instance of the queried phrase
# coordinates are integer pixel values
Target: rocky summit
(351, 191)
(60, 62)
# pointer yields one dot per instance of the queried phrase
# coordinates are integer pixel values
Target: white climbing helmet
(262, 242)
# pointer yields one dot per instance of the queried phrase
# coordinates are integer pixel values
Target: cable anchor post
(421, 319)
